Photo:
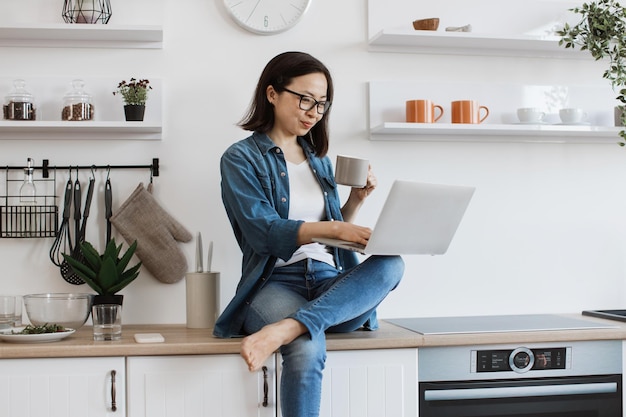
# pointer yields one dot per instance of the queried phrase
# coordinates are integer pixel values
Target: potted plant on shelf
(105, 273)
(602, 31)
(135, 94)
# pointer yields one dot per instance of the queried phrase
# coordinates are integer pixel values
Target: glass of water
(107, 321)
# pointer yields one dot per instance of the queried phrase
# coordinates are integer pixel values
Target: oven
(573, 379)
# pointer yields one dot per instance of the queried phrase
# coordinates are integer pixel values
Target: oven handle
(529, 391)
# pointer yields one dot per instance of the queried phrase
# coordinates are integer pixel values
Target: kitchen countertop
(179, 340)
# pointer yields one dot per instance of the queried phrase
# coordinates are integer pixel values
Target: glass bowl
(63, 309)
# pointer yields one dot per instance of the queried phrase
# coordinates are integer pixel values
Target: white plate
(8, 336)
(530, 123)
(574, 124)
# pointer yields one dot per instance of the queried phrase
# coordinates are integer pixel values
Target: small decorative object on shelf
(602, 31)
(19, 103)
(77, 103)
(426, 24)
(466, 28)
(135, 94)
(86, 11)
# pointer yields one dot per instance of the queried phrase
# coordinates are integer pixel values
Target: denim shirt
(255, 192)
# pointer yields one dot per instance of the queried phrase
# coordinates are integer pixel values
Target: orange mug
(422, 111)
(468, 111)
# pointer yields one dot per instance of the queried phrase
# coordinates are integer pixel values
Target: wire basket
(38, 220)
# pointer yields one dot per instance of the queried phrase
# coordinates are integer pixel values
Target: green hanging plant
(602, 31)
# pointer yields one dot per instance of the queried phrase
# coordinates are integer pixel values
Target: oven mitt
(157, 234)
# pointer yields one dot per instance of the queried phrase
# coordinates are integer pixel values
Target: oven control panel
(521, 359)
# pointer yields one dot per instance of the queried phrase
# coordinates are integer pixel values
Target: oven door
(588, 396)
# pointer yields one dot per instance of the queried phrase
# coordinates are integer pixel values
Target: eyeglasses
(308, 102)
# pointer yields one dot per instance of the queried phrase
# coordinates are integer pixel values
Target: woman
(279, 193)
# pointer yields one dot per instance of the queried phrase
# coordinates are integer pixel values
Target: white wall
(544, 233)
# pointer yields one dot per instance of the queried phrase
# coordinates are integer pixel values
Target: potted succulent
(105, 273)
(602, 31)
(135, 94)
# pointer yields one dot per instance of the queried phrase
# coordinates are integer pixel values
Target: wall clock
(267, 17)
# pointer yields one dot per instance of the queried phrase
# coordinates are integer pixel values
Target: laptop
(417, 218)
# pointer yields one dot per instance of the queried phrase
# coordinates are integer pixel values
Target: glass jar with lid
(19, 104)
(77, 104)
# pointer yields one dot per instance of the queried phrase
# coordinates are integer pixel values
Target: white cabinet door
(370, 383)
(199, 386)
(62, 387)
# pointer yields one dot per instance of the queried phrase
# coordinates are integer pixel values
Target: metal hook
(93, 171)
(151, 173)
(108, 171)
(70, 172)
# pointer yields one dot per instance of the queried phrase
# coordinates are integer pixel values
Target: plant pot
(134, 112)
(108, 299)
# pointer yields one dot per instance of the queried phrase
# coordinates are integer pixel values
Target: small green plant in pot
(105, 273)
(602, 31)
(135, 95)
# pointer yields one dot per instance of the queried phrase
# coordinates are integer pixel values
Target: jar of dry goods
(19, 104)
(77, 103)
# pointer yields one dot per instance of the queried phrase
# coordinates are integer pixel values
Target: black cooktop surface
(619, 315)
(496, 324)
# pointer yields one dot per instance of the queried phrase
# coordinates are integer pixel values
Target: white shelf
(83, 130)
(82, 36)
(469, 43)
(419, 132)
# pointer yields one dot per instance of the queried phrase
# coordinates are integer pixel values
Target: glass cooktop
(496, 324)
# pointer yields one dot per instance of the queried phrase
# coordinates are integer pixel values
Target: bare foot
(256, 348)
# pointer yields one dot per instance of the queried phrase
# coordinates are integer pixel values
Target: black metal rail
(46, 167)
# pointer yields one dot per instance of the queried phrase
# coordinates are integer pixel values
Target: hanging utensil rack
(42, 219)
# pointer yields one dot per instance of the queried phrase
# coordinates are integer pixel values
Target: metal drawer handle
(265, 387)
(113, 403)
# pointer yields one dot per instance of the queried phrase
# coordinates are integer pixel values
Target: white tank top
(306, 202)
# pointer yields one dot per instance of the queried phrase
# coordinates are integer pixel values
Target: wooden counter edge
(180, 340)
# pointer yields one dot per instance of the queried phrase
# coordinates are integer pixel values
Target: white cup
(351, 171)
(530, 115)
(572, 115)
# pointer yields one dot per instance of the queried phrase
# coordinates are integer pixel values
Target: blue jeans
(318, 296)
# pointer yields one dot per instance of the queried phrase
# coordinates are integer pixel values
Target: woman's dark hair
(278, 73)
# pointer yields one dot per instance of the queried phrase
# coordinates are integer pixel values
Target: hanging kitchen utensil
(66, 270)
(90, 190)
(108, 203)
(70, 276)
(63, 235)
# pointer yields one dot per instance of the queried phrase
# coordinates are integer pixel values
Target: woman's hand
(352, 232)
(362, 193)
(358, 196)
(334, 230)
